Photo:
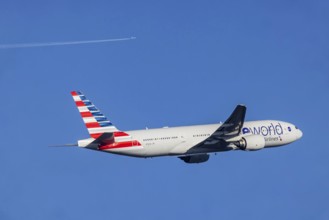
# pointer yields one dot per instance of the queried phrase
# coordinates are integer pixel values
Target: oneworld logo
(264, 130)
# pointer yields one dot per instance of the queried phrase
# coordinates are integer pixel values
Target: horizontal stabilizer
(105, 139)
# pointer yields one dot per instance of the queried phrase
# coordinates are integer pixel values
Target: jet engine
(200, 158)
(251, 143)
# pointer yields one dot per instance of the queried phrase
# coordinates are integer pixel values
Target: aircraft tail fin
(95, 121)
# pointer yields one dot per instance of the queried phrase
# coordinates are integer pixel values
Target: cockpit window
(296, 127)
(289, 128)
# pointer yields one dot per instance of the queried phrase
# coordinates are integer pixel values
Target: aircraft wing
(229, 129)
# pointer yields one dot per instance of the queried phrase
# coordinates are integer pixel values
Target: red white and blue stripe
(97, 123)
(94, 120)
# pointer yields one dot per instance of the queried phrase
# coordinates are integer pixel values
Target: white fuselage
(182, 140)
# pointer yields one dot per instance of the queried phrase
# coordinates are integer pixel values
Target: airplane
(192, 144)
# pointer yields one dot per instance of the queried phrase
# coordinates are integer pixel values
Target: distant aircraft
(192, 144)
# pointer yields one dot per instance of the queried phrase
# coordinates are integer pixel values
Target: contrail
(48, 44)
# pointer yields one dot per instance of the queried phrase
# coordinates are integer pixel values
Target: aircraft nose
(299, 134)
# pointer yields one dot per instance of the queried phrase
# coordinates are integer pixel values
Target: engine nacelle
(200, 158)
(251, 142)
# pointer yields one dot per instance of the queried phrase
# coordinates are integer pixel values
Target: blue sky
(191, 63)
